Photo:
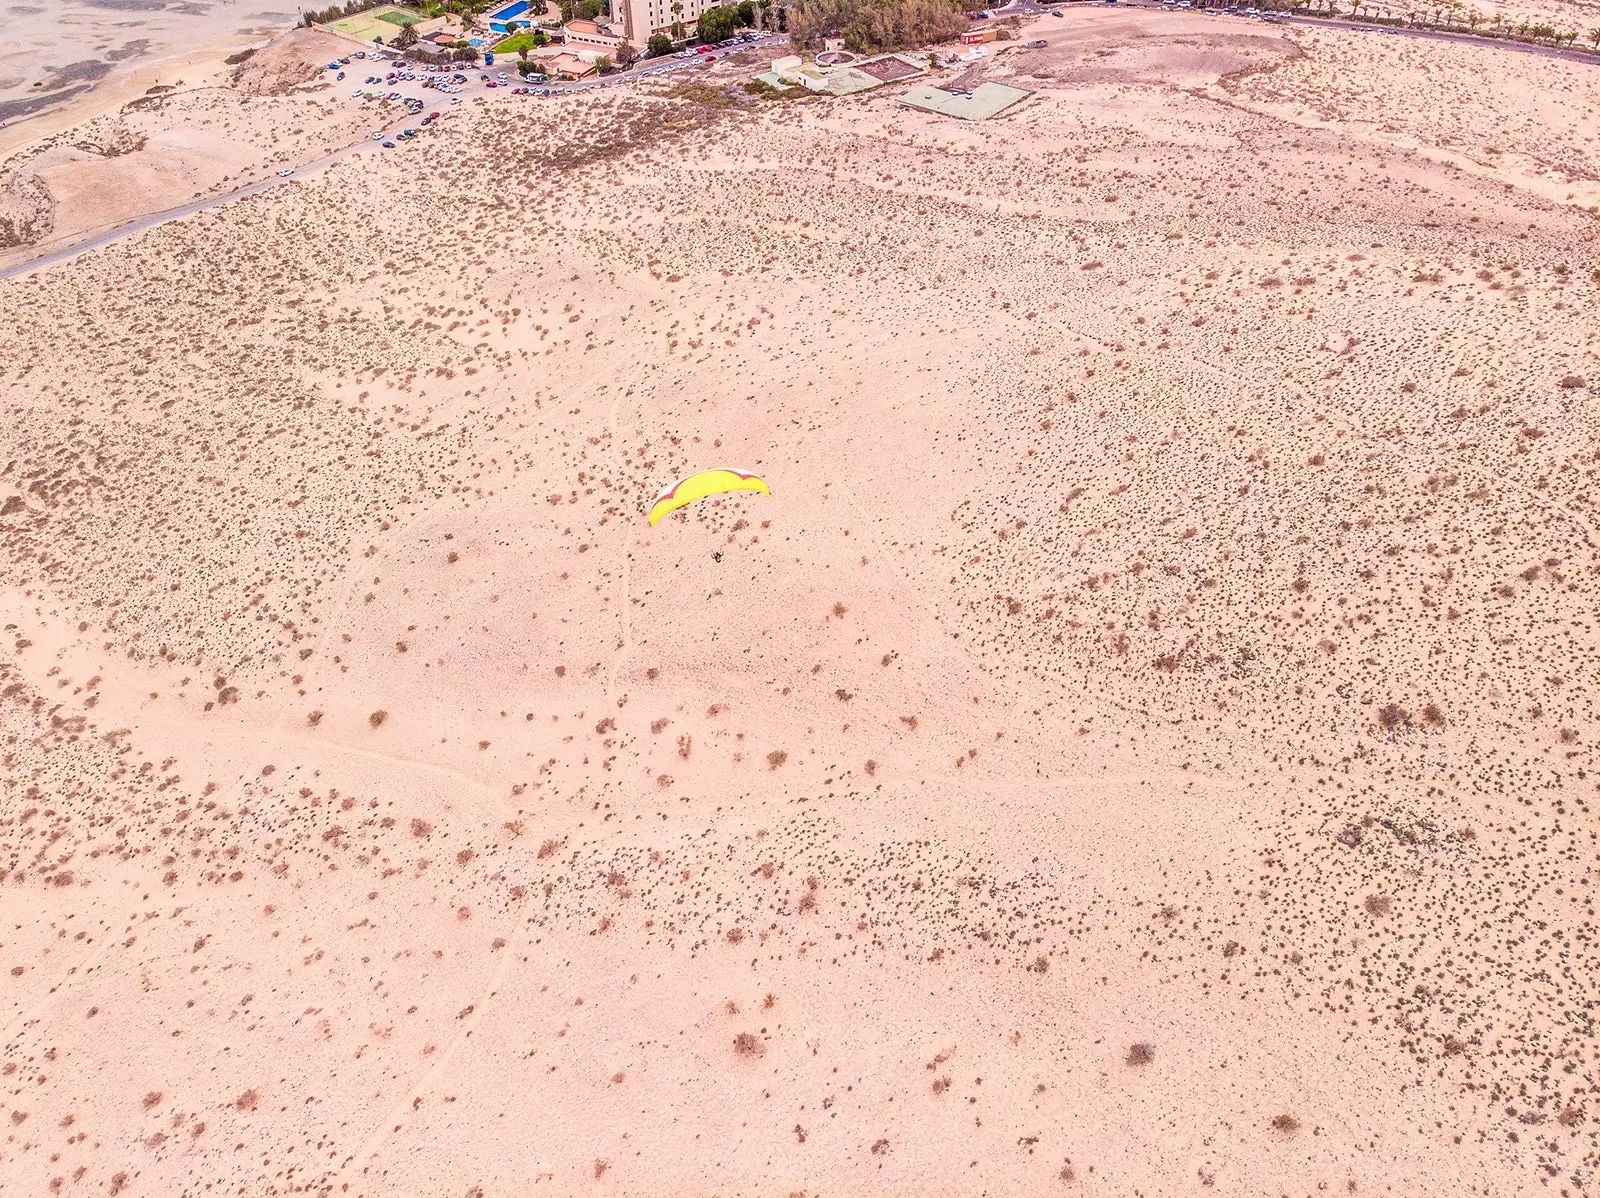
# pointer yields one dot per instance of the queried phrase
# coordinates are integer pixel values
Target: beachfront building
(636, 20)
(570, 66)
(593, 35)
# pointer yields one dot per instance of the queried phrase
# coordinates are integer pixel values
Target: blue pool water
(509, 12)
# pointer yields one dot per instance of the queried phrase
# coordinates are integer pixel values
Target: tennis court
(376, 24)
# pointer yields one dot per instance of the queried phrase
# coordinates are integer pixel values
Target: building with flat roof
(557, 65)
(598, 35)
(981, 103)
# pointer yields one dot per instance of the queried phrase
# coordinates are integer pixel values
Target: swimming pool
(505, 13)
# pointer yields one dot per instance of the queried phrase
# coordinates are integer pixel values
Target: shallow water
(54, 47)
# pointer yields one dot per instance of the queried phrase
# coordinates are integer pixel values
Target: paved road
(649, 68)
(1033, 7)
(357, 70)
(1441, 35)
(117, 232)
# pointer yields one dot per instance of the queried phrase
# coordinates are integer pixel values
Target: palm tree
(1594, 36)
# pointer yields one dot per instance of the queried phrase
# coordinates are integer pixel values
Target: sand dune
(1143, 744)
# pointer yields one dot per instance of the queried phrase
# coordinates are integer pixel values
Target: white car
(378, 136)
(455, 99)
(286, 172)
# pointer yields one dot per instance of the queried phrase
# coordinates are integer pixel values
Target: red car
(703, 50)
(491, 83)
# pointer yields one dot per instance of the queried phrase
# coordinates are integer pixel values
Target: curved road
(646, 69)
(117, 232)
(660, 66)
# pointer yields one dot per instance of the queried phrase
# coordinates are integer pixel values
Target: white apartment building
(638, 19)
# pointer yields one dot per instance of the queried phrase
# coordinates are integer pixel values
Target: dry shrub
(1285, 1124)
(548, 849)
(1377, 905)
(247, 1101)
(1392, 716)
(377, 717)
(708, 95)
(748, 1044)
(776, 758)
(421, 828)
(1141, 1054)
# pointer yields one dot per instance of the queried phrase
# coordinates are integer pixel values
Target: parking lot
(385, 79)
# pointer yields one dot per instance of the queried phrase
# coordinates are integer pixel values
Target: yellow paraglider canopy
(702, 484)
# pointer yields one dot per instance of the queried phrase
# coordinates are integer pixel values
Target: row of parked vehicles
(737, 40)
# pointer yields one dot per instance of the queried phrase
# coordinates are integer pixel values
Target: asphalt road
(387, 123)
(1032, 7)
(475, 91)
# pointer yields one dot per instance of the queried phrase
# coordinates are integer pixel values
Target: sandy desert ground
(1144, 744)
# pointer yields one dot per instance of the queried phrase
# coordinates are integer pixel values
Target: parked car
(388, 145)
(286, 172)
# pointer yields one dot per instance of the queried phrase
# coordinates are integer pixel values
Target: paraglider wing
(702, 484)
